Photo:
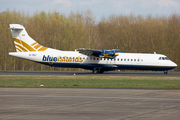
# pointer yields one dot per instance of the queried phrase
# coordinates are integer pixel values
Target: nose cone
(173, 64)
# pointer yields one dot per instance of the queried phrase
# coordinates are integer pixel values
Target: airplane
(91, 59)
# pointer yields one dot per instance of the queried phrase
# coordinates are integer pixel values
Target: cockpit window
(163, 58)
(166, 58)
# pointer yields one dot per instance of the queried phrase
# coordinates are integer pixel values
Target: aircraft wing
(89, 52)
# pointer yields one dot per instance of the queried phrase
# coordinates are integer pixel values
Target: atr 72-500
(96, 60)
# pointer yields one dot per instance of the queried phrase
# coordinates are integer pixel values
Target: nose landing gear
(165, 72)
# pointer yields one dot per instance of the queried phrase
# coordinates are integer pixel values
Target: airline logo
(62, 59)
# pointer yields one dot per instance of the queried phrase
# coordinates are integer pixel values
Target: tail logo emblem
(24, 47)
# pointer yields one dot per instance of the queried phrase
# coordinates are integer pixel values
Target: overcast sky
(99, 8)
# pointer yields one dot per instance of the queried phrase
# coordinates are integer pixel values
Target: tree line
(132, 33)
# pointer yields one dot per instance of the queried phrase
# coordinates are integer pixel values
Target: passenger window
(131, 59)
(94, 58)
(124, 59)
(121, 59)
(138, 59)
(97, 58)
(91, 58)
(128, 60)
(118, 59)
(134, 59)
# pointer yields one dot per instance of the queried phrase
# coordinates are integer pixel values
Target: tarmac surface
(89, 104)
(170, 74)
(97, 104)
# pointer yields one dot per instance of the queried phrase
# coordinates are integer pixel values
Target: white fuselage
(74, 59)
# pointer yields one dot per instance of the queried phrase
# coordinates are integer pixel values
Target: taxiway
(89, 104)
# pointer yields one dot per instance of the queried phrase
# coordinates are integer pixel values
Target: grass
(90, 81)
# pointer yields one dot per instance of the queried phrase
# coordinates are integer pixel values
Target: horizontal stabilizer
(16, 27)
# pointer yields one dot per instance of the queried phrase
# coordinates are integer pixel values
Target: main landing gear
(165, 72)
(97, 70)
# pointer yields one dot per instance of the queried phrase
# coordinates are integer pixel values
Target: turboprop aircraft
(96, 60)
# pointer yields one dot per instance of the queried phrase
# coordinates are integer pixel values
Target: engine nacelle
(108, 53)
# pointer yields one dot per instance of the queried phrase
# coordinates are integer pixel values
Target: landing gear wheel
(95, 71)
(101, 71)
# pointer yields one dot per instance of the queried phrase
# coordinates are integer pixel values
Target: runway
(170, 74)
(89, 104)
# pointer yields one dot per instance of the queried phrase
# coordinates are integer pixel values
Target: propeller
(125, 46)
(115, 54)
